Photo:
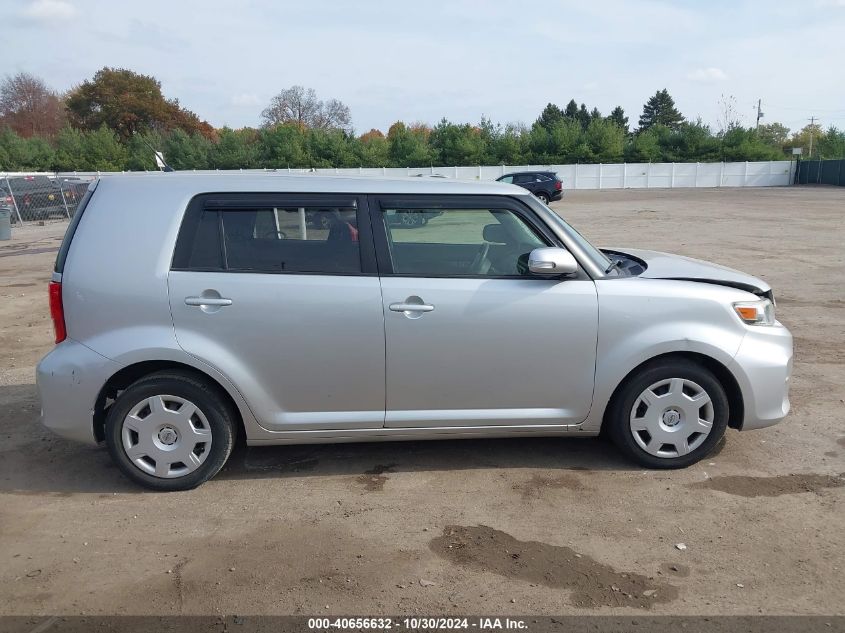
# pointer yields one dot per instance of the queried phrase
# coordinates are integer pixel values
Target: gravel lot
(537, 526)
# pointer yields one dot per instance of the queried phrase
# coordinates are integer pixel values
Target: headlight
(760, 312)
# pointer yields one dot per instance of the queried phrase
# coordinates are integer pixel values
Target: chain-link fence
(34, 198)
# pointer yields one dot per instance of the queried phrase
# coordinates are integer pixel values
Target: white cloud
(707, 74)
(245, 99)
(48, 10)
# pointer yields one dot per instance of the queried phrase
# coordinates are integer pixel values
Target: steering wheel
(480, 264)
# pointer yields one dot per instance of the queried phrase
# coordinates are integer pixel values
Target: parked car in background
(35, 197)
(190, 308)
(543, 184)
(74, 189)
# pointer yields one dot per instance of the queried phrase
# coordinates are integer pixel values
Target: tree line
(112, 121)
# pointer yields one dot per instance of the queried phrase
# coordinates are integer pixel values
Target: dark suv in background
(543, 184)
(41, 197)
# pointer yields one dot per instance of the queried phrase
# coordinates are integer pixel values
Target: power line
(777, 107)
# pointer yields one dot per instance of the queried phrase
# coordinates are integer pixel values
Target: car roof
(530, 171)
(283, 182)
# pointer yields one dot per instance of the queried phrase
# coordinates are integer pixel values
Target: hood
(665, 266)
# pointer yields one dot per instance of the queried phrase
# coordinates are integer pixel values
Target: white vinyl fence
(39, 196)
(613, 176)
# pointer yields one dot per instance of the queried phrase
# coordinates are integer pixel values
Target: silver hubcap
(672, 417)
(166, 436)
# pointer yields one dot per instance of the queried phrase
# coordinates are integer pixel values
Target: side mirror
(552, 261)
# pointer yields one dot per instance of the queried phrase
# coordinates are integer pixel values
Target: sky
(459, 59)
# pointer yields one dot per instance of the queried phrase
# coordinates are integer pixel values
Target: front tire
(671, 414)
(170, 431)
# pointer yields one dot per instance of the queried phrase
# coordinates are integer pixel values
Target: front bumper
(69, 380)
(762, 367)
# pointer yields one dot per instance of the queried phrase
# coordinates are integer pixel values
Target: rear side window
(270, 239)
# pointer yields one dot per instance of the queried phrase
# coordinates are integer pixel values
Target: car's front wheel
(669, 415)
(170, 431)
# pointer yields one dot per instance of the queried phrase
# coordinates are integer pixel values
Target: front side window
(507, 179)
(459, 242)
(270, 239)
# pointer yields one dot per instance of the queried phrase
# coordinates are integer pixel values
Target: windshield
(598, 258)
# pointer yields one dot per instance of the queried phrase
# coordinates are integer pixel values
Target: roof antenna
(159, 157)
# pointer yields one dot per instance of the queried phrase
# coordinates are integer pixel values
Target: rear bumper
(763, 367)
(69, 380)
(557, 195)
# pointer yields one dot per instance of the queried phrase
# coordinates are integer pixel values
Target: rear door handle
(207, 301)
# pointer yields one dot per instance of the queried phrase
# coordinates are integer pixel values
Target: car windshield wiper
(616, 263)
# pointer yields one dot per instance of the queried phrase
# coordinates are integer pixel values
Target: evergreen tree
(606, 141)
(595, 114)
(617, 116)
(571, 110)
(550, 115)
(583, 116)
(660, 109)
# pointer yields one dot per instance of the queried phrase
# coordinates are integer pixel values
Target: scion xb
(190, 308)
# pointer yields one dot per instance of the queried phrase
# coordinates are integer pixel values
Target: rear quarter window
(61, 258)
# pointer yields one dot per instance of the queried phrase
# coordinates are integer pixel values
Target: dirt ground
(529, 526)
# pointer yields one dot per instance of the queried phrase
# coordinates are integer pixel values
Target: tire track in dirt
(745, 486)
(591, 583)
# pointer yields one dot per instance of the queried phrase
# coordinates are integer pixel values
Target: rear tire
(170, 431)
(671, 414)
(543, 197)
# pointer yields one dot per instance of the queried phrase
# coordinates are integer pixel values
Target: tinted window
(486, 242)
(61, 257)
(523, 178)
(206, 252)
(270, 239)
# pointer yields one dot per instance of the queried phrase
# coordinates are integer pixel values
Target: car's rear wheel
(669, 415)
(543, 197)
(170, 431)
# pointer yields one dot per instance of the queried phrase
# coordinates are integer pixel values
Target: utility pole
(812, 127)
(759, 115)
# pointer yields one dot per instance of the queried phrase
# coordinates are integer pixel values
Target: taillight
(558, 185)
(57, 311)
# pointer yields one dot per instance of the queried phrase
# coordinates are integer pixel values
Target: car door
(280, 293)
(526, 181)
(472, 338)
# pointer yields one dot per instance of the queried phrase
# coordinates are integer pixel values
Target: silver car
(190, 308)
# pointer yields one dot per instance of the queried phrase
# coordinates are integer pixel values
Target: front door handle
(411, 307)
(207, 301)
